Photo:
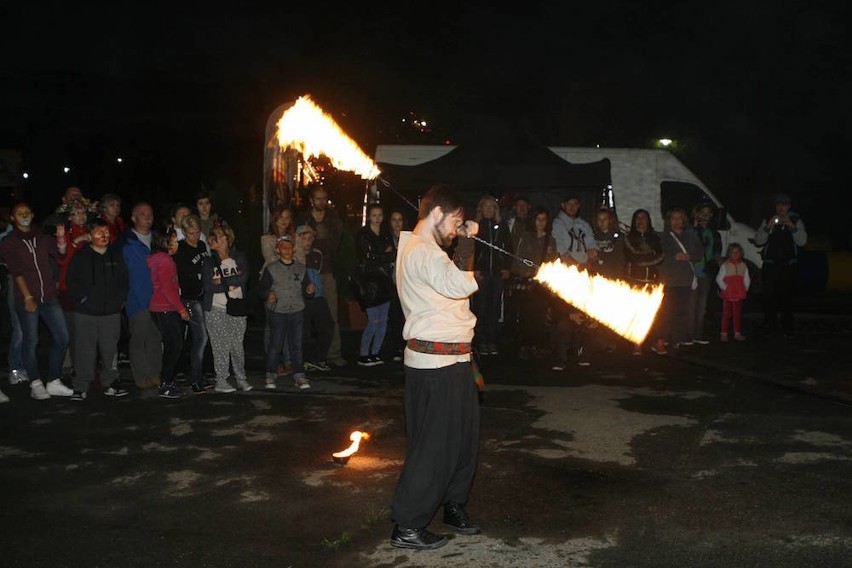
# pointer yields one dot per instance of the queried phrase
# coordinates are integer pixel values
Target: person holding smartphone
(781, 235)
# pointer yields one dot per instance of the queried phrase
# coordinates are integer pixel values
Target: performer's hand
(468, 229)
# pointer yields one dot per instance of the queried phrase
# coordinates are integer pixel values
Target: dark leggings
(169, 324)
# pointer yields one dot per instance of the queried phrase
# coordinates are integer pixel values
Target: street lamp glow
(66, 169)
(119, 159)
(25, 175)
(665, 142)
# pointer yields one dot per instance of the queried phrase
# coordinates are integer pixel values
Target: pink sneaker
(723, 337)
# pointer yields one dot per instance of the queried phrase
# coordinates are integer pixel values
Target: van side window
(685, 195)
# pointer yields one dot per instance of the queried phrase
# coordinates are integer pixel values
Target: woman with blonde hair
(491, 269)
(681, 248)
(224, 280)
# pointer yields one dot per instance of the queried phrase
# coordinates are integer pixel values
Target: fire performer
(441, 398)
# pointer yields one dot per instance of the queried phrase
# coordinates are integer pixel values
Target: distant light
(403, 120)
(665, 142)
(25, 175)
(119, 159)
(66, 169)
(597, 145)
(423, 123)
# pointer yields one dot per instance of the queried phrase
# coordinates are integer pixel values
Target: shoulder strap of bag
(683, 248)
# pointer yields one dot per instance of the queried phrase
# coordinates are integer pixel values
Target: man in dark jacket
(781, 236)
(97, 282)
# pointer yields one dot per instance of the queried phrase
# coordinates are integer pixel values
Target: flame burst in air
(626, 310)
(312, 132)
(356, 438)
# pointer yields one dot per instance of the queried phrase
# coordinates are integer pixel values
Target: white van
(649, 179)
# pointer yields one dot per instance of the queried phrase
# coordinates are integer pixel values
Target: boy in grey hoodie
(284, 285)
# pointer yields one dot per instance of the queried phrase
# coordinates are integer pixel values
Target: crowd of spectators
(172, 295)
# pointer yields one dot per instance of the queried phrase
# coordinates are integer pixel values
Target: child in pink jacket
(733, 280)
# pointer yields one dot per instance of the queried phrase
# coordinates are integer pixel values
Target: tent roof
(503, 161)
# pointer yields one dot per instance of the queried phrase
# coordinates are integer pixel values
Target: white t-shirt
(228, 267)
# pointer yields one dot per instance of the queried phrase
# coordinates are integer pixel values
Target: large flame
(626, 310)
(312, 132)
(356, 438)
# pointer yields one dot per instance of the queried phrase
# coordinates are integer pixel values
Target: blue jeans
(198, 331)
(16, 342)
(289, 327)
(375, 330)
(51, 314)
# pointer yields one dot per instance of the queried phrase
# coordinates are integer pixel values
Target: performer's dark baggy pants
(442, 432)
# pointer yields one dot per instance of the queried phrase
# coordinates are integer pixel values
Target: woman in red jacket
(166, 308)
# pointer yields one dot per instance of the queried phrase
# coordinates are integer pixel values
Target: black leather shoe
(456, 518)
(418, 539)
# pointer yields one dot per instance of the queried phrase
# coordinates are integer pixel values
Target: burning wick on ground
(342, 457)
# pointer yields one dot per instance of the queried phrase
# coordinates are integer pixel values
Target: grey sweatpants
(226, 339)
(145, 347)
(93, 334)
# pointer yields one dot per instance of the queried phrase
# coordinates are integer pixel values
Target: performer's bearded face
(447, 228)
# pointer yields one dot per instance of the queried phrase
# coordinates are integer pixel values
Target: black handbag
(371, 287)
(237, 307)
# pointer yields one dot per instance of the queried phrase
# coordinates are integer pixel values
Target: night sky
(755, 94)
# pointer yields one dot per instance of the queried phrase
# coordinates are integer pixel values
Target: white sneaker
(270, 384)
(37, 390)
(243, 385)
(224, 387)
(302, 383)
(18, 376)
(3, 397)
(57, 388)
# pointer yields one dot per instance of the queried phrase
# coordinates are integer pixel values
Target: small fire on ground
(344, 455)
(626, 310)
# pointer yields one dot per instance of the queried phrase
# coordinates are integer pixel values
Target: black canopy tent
(504, 162)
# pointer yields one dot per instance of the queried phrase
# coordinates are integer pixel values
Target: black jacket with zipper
(98, 282)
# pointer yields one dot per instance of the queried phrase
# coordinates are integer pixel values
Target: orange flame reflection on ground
(312, 132)
(356, 438)
(626, 310)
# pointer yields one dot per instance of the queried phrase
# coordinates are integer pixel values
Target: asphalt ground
(735, 454)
